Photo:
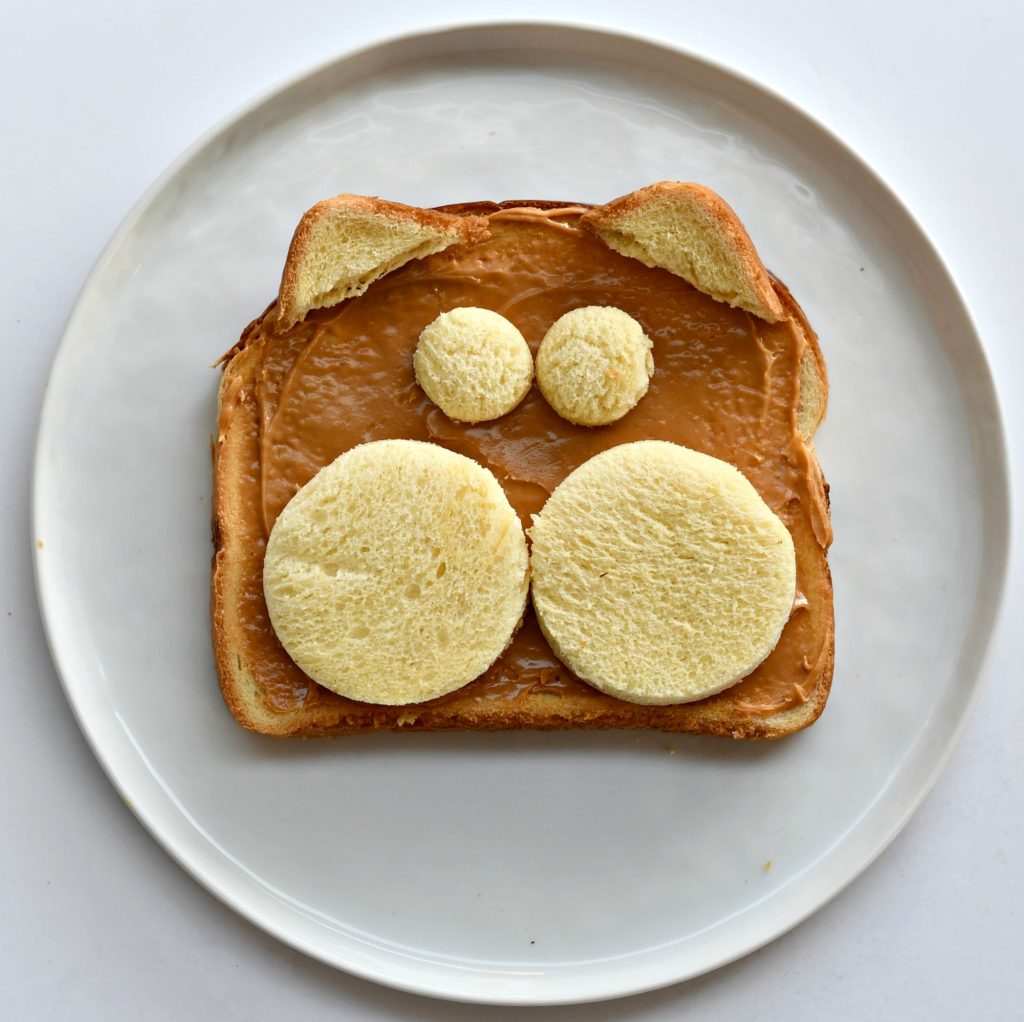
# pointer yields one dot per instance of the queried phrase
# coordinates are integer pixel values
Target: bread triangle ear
(343, 244)
(690, 231)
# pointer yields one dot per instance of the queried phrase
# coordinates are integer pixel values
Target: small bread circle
(473, 364)
(397, 574)
(659, 574)
(594, 364)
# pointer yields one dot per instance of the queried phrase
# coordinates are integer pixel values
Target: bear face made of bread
(523, 465)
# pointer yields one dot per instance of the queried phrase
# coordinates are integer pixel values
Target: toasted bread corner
(342, 244)
(694, 233)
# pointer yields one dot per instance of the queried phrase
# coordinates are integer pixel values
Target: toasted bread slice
(689, 230)
(262, 686)
(343, 244)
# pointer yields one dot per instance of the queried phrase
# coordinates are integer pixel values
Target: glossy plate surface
(519, 868)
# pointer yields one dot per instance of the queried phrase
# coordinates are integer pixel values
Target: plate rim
(997, 507)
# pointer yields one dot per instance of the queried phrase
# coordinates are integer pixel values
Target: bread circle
(397, 574)
(473, 364)
(594, 364)
(659, 574)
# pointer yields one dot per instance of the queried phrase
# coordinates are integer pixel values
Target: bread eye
(594, 364)
(473, 364)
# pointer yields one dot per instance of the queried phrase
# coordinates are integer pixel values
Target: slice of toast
(269, 442)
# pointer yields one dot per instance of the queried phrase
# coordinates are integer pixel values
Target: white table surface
(96, 921)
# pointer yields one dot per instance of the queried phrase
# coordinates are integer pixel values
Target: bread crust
(708, 618)
(234, 451)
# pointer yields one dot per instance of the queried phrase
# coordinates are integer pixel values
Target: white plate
(519, 868)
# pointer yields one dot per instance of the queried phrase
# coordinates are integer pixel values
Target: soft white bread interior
(397, 574)
(474, 364)
(813, 386)
(692, 232)
(594, 364)
(659, 574)
(343, 244)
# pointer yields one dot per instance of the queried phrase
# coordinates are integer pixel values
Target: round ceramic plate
(520, 868)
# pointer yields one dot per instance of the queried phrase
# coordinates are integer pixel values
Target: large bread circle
(399, 573)
(659, 574)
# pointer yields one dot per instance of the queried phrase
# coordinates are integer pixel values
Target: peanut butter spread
(725, 383)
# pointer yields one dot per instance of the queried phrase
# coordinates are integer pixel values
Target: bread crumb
(768, 866)
(39, 543)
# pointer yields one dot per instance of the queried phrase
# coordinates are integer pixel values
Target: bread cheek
(397, 574)
(660, 575)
